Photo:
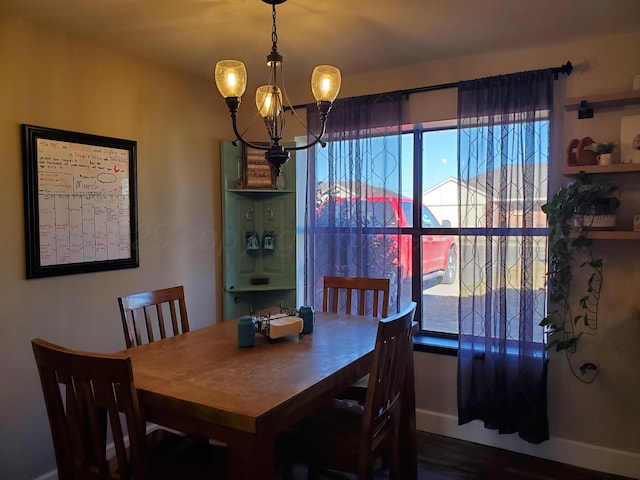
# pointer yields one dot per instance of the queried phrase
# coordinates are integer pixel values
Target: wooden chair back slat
(365, 288)
(83, 391)
(143, 315)
(381, 418)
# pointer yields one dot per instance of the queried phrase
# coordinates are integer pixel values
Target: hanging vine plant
(573, 211)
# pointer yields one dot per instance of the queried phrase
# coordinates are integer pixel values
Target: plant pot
(594, 222)
(605, 159)
(600, 215)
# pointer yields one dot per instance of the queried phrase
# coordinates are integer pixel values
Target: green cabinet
(259, 239)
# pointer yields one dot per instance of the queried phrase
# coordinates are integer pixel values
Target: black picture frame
(80, 202)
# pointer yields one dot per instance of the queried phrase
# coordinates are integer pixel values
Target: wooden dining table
(202, 383)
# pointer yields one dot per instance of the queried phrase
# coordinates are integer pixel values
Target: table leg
(250, 457)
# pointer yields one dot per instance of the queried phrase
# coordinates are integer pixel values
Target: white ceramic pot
(604, 159)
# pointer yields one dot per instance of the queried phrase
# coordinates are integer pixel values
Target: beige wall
(591, 425)
(52, 80)
(594, 425)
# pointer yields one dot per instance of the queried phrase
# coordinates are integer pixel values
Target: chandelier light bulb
(268, 101)
(231, 78)
(325, 83)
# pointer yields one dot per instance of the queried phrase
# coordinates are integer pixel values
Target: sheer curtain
(503, 144)
(350, 228)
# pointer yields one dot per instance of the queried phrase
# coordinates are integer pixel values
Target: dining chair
(143, 315)
(336, 288)
(88, 394)
(143, 319)
(346, 437)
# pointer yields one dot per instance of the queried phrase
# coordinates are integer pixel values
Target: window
(438, 162)
(430, 187)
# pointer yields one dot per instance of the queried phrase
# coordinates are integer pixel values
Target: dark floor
(444, 458)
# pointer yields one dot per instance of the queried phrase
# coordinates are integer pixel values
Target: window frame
(425, 340)
(432, 340)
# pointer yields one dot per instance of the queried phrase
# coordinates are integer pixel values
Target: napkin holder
(280, 325)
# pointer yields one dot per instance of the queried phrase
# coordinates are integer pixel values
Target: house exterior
(442, 199)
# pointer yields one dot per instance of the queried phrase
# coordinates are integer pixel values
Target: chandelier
(231, 80)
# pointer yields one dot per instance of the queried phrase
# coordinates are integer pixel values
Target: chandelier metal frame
(269, 99)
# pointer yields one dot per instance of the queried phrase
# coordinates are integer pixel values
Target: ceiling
(355, 35)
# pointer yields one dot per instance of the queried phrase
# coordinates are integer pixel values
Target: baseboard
(52, 475)
(583, 455)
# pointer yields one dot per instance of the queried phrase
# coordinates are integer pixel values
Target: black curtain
(349, 230)
(504, 126)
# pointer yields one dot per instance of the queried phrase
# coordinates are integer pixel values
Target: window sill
(449, 346)
(432, 344)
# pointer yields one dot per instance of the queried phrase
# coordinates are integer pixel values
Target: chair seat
(330, 436)
(356, 391)
(173, 456)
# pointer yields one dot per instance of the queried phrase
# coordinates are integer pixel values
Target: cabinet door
(240, 219)
(263, 276)
(260, 216)
(277, 213)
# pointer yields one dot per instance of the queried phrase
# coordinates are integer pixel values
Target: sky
(440, 160)
(440, 157)
(440, 153)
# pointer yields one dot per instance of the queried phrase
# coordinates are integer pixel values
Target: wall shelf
(612, 235)
(611, 100)
(614, 168)
(259, 288)
(585, 106)
(263, 191)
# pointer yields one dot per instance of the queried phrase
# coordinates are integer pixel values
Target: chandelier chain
(274, 33)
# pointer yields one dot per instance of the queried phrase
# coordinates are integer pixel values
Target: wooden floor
(444, 458)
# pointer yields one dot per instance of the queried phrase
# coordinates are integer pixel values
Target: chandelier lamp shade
(231, 80)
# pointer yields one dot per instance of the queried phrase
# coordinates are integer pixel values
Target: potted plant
(571, 213)
(604, 151)
(606, 147)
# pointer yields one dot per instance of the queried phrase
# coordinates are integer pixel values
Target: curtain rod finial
(568, 67)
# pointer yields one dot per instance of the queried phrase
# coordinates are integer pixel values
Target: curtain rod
(567, 68)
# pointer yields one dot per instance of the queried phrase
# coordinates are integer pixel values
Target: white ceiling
(355, 35)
